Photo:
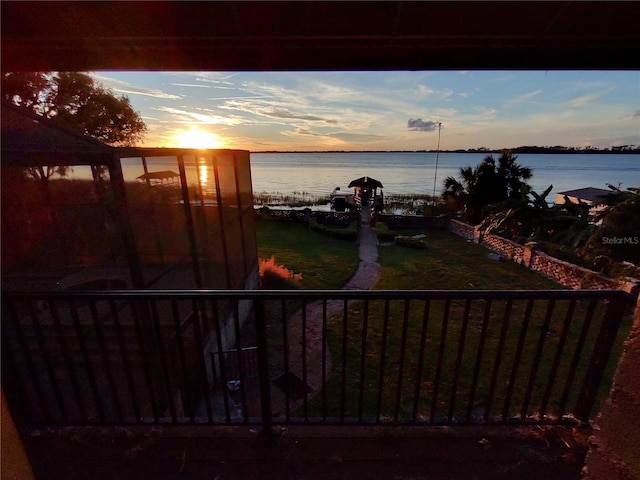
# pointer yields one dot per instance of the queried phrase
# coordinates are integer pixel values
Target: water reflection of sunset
(203, 172)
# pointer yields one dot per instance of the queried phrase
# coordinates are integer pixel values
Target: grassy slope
(452, 263)
(449, 263)
(325, 263)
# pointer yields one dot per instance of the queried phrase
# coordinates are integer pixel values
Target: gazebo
(366, 191)
(159, 178)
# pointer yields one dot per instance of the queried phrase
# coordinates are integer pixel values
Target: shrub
(410, 242)
(343, 233)
(274, 276)
(383, 232)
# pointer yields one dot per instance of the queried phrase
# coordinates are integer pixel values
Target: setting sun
(195, 138)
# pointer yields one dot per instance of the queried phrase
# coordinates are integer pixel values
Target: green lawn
(325, 262)
(450, 363)
(451, 263)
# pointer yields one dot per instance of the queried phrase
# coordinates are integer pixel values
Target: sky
(321, 111)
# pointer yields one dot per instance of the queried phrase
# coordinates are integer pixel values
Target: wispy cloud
(273, 111)
(206, 118)
(190, 85)
(579, 101)
(527, 96)
(341, 136)
(483, 113)
(124, 87)
(435, 94)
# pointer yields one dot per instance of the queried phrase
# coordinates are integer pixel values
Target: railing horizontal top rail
(333, 294)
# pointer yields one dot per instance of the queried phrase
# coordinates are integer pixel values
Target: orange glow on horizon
(196, 138)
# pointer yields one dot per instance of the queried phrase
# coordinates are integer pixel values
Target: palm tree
(513, 174)
(488, 184)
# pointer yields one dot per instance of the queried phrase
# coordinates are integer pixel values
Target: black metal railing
(333, 357)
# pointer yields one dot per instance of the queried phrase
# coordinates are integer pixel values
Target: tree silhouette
(488, 184)
(74, 100)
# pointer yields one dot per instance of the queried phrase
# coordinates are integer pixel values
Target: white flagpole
(435, 175)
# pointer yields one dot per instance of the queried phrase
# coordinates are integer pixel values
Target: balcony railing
(309, 357)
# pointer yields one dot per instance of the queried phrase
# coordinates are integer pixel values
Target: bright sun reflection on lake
(203, 173)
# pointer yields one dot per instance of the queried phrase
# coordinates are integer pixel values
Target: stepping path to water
(364, 279)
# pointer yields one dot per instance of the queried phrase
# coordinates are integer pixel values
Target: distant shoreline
(536, 150)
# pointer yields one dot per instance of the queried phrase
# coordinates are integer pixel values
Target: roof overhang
(31, 140)
(319, 35)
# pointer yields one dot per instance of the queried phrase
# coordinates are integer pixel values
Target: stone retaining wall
(297, 215)
(462, 230)
(506, 248)
(559, 271)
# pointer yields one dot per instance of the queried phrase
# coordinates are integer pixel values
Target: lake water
(405, 173)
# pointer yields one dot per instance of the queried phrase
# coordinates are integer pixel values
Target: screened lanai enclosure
(78, 214)
(79, 217)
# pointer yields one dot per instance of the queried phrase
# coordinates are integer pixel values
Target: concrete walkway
(364, 279)
(369, 268)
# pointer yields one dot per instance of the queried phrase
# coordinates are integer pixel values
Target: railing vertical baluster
(263, 366)
(12, 379)
(163, 361)
(461, 343)
(243, 384)
(222, 361)
(125, 357)
(544, 330)
(363, 359)
(403, 347)
(601, 353)
(105, 359)
(343, 374)
(305, 403)
(24, 346)
(200, 355)
(324, 360)
(423, 340)
(179, 340)
(48, 362)
(285, 353)
(441, 349)
(66, 355)
(516, 361)
(480, 353)
(383, 351)
(137, 308)
(85, 355)
(577, 356)
(498, 360)
(558, 357)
